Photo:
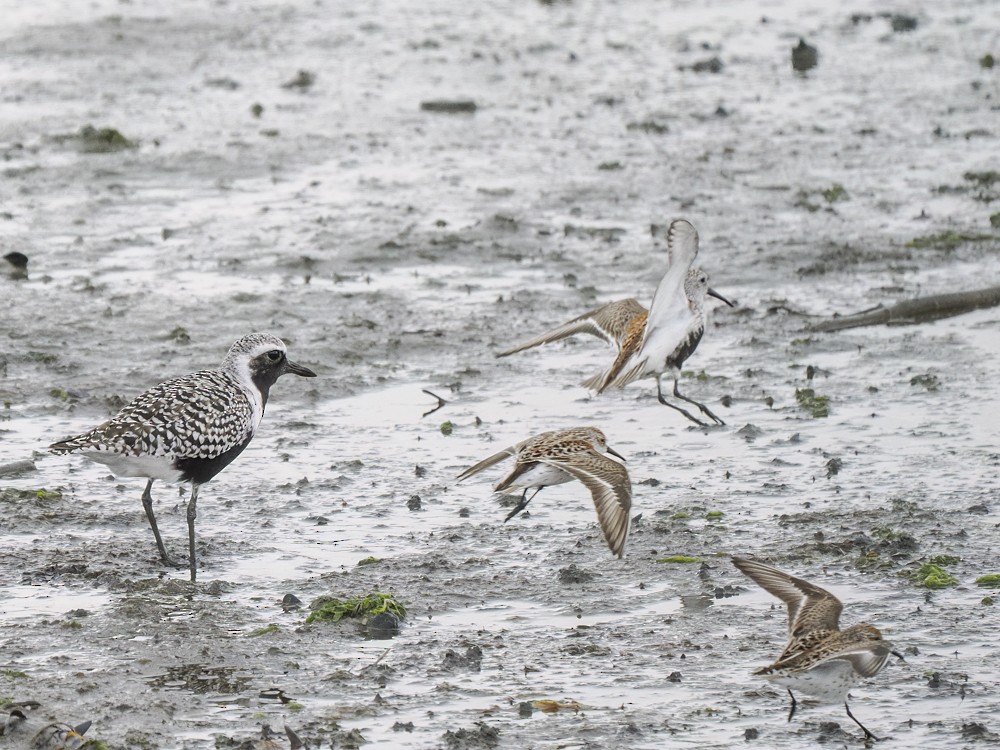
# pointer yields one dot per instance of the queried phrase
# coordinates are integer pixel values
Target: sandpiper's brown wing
(867, 654)
(810, 608)
(610, 487)
(630, 345)
(608, 322)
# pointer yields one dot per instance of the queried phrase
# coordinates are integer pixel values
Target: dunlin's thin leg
(868, 735)
(147, 504)
(522, 503)
(192, 513)
(663, 400)
(791, 711)
(704, 409)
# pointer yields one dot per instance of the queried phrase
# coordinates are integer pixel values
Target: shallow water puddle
(22, 603)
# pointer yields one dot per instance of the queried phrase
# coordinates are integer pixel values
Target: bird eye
(275, 355)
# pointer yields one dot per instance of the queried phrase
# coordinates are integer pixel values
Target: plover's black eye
(275, 355)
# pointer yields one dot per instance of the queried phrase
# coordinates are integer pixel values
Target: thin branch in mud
(374, 663)
(918, 310)
(441, 402)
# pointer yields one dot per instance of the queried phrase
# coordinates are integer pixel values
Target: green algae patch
(681, 514)
(266, 630)
(714, 515)
(447, 428)
(944, 560)
(13, 674)
(987, 601)
(37, 497)
(370, 561)
(934, 577)
(679, 560)
(103, 140)
(946, 240)
(989, 581)
(335, 610)
(818, 406)
(836, 192)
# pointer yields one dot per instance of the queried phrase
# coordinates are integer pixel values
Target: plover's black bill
(712, 293)
(298, 369)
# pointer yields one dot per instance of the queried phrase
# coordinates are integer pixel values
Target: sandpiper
(658, 345)
(561, 456)
(820, 658)
(190, 428)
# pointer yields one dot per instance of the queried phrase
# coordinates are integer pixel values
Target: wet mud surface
(273, 169)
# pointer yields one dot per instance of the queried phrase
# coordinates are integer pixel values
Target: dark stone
(674, 677)
(449, 106)
(16, 259)
(414, 502)
(573, 574)
(383, 626)
(751, 734)
(804, 57)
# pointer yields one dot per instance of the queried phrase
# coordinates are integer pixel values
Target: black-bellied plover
(561, 456)
(190, 428)
(657, 346)
(820, 659)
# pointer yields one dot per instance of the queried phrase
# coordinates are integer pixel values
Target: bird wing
(607, 322)
(488, 462)
(610, 487)
(201, 415)
(866, 659)
(634, 335)
(810, 608)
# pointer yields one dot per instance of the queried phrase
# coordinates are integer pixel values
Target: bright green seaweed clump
(334, 610)
(934, 577)
(818, 406)
(679, 560)
(989, 581)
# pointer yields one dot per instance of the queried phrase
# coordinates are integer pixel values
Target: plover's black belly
(201, 470)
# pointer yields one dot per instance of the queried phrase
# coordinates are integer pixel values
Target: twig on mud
(374, 663)
(918, 310)
(441, 402)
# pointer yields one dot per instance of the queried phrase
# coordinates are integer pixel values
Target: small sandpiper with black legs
(561, 456)
(820, 659)
(190, 428)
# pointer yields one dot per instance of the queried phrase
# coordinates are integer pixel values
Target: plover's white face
(257, 361)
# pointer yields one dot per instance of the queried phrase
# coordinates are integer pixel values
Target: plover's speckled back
(820, 658)
(561, 456)
(190, 428)
(657, 346)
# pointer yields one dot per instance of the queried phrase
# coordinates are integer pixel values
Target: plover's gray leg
(192, 513)
(147, 504)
